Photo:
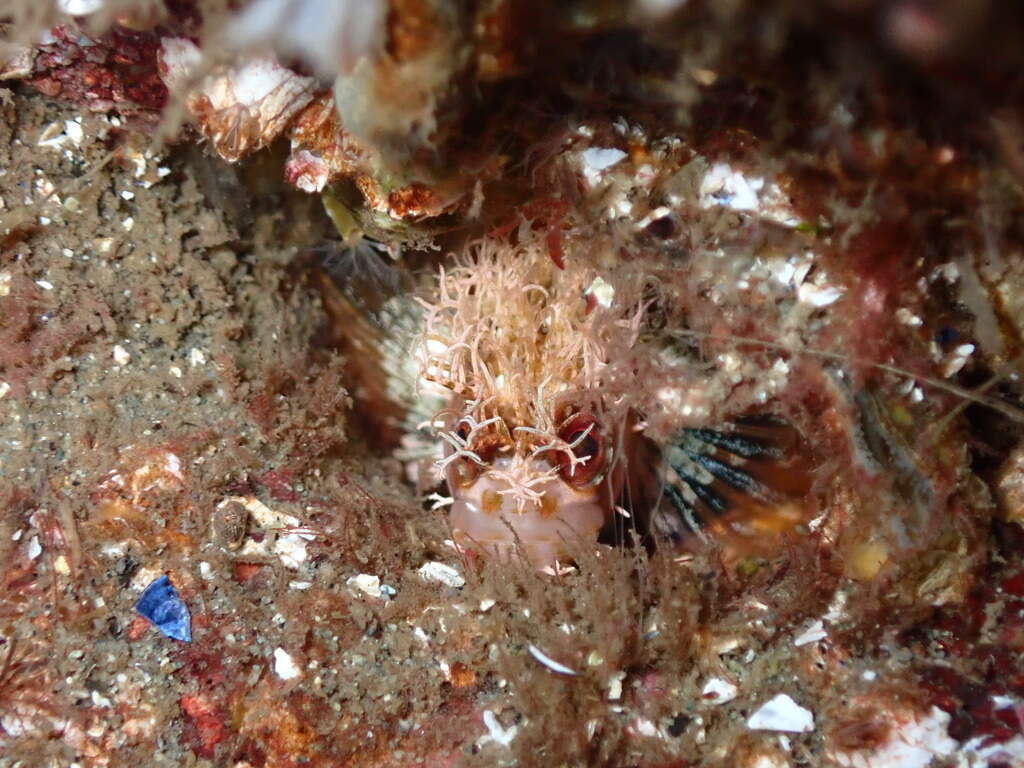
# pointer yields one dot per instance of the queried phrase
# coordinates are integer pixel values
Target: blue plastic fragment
(161, 605)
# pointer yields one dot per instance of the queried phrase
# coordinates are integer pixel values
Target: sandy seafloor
(166, 371)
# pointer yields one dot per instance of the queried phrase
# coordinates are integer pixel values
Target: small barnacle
(241, 108)
(229, 524)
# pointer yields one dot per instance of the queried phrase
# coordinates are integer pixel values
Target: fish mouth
(488, 516)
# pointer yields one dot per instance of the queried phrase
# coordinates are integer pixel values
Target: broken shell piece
(814, 632)
(781, 714)
(365, 583)
(548, 662)
(239, 109)
(718, 690)
(434, 571)
(495, 731)
(284, 665)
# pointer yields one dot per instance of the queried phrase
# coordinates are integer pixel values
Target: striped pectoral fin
(741, 481)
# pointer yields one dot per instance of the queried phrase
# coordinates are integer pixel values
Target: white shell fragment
(729, 188)
(548, 662)
(615, 686)
(718, 690)
(284, 665)
(818, 295)
(495, 731)
(814, 632)
(781, 714)
(596, 160)
(365, 583)
(602, 291)
(434, 571)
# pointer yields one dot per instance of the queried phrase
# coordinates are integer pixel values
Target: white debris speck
(176, 372)
(35, 549)
(723, 186)
(957, 359)
(284, 665)
(5, 283)
(906, 317)
(818, 295)
(196, 357)
(300, 585)
(548, 662)
(495, 731)
(596, 160)
(602, 291)
(128, 223)
(615, 686)
(365, 583)
(781, 714)
(60, 135)
(205, 570)
(60, 565)
(172, 465)
(46, 285)
(814, 632)
(434, 571)
(912, 743)
(645, 727)
(291, 548)
(4, 389)
(718, 690)
(121, 355)
(486, 604)
(127, 194)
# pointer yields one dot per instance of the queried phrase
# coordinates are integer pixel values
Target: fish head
(520, 487)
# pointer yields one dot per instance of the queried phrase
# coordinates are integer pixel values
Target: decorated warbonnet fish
(556, 433)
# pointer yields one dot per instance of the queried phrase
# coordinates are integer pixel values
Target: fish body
(554, 435)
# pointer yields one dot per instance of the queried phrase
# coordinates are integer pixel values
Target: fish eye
(583, 432)
(586, 444)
